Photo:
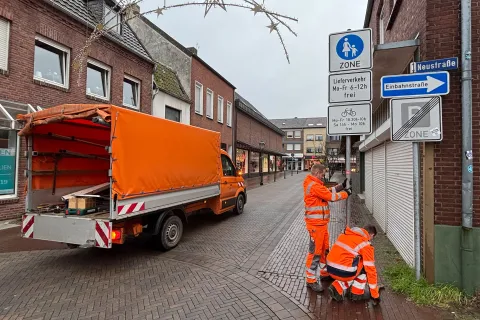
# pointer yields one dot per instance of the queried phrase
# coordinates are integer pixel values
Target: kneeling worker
(317, 215)
(351, 262)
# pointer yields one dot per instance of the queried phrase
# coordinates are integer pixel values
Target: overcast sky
(239, 46)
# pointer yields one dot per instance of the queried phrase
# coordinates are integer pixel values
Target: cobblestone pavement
(226, 267)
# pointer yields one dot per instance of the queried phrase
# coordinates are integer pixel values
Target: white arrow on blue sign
(418, 84)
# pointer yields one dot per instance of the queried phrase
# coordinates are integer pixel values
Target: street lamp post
(262, 145)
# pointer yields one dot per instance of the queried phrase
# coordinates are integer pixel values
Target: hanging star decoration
(159, 11)
(273, 27)
(257, 9)
(210, 3)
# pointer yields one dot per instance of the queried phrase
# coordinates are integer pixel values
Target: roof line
(166, 36)
(245, 109)
(368, 14)
(184, 49)
(107, 35)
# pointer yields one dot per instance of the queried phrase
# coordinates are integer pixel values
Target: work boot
(315, 287)
(334, 294)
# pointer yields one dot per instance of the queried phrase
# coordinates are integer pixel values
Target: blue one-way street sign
(419, 84)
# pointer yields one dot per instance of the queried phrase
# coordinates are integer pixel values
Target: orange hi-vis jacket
(351, 252)
(316, 198)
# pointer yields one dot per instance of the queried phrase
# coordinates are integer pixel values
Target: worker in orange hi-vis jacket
(317, 216)
(351, 262)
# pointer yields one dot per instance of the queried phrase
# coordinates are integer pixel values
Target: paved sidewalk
(226, 267)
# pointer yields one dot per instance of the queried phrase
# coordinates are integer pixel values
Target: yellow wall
(312, 144)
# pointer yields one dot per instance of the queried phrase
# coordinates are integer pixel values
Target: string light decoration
(127, 8)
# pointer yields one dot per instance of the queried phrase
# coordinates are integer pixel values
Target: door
(228, 183)
(400, 210)
(368, 180)
(378, 186)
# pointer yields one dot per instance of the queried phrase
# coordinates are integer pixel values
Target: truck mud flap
(74, 230)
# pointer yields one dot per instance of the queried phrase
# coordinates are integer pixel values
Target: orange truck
(97, 174)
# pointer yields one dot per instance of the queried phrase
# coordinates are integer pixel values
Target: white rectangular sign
(416, 119)
(353, 119)
(350, 87)
(350, 50)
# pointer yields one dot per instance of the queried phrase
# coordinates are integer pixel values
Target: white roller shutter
(379, 194)
(4, 39)
(400, 220)
(368, 180)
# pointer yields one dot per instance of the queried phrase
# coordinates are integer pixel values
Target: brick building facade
(258, 143)
(406, 31)
(212, 102)
(119, 70)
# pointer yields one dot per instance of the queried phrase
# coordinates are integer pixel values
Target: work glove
(376, 301)
(339, 187)
(348, 191)
(344, 184)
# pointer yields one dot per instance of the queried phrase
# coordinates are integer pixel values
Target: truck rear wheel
(240, 204)
(170, 233)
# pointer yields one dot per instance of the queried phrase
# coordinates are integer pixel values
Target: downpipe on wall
(468, 270)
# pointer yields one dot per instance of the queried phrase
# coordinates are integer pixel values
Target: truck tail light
(116, 234)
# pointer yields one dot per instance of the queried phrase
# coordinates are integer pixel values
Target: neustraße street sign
(350, 119)
(416, 119)
(350, 50)
(434, 65)
(417, 84)
(350, 87)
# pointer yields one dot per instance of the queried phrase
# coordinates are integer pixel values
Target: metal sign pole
(348, 152)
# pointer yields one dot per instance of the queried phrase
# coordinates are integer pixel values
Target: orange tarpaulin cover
(150, 155)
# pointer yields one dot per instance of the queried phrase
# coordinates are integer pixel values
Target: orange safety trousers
(356, 284)
(316, 256)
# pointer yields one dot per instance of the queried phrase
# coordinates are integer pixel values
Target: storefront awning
(9, 111)
(390, 59)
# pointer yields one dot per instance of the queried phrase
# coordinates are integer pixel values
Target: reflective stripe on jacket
(351, 251)
(316, 198)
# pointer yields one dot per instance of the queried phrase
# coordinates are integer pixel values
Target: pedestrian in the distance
(351, 262)
(317, 216)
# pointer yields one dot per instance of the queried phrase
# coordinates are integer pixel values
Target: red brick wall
(443, 41)
(251, 131)
(211, 81)
(29, 18)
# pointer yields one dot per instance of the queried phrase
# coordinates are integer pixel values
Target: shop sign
(7, 171)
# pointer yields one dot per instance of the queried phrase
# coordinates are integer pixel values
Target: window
(220, 109)
(309, 137)
(319, 137)
(8, 163)
(381, 26)
(131, 92)
(298, 147)
(173, 114)
(51, 62)
(298, 134)
(209, 104)
(318, 150)
(198, 98)
(310, 150)
(229, 113)
(289, 146)
(228, 168)
(98, 80)
(333, 151)
(4, 43)
(289, 134)
(112, 20)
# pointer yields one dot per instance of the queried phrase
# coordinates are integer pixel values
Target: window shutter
(4, 41)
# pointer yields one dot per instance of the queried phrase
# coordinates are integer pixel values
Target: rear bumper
(74, 230)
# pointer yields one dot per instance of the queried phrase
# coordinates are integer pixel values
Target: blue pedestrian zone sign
(351, 50)
(413, 85)
(350, 47)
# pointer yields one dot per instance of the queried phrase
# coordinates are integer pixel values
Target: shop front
(253, 162)
(311, 160)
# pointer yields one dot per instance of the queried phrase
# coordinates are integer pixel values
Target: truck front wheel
(240, 204)
(170, 233)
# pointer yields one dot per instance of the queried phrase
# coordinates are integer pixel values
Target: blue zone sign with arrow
(418, 84)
